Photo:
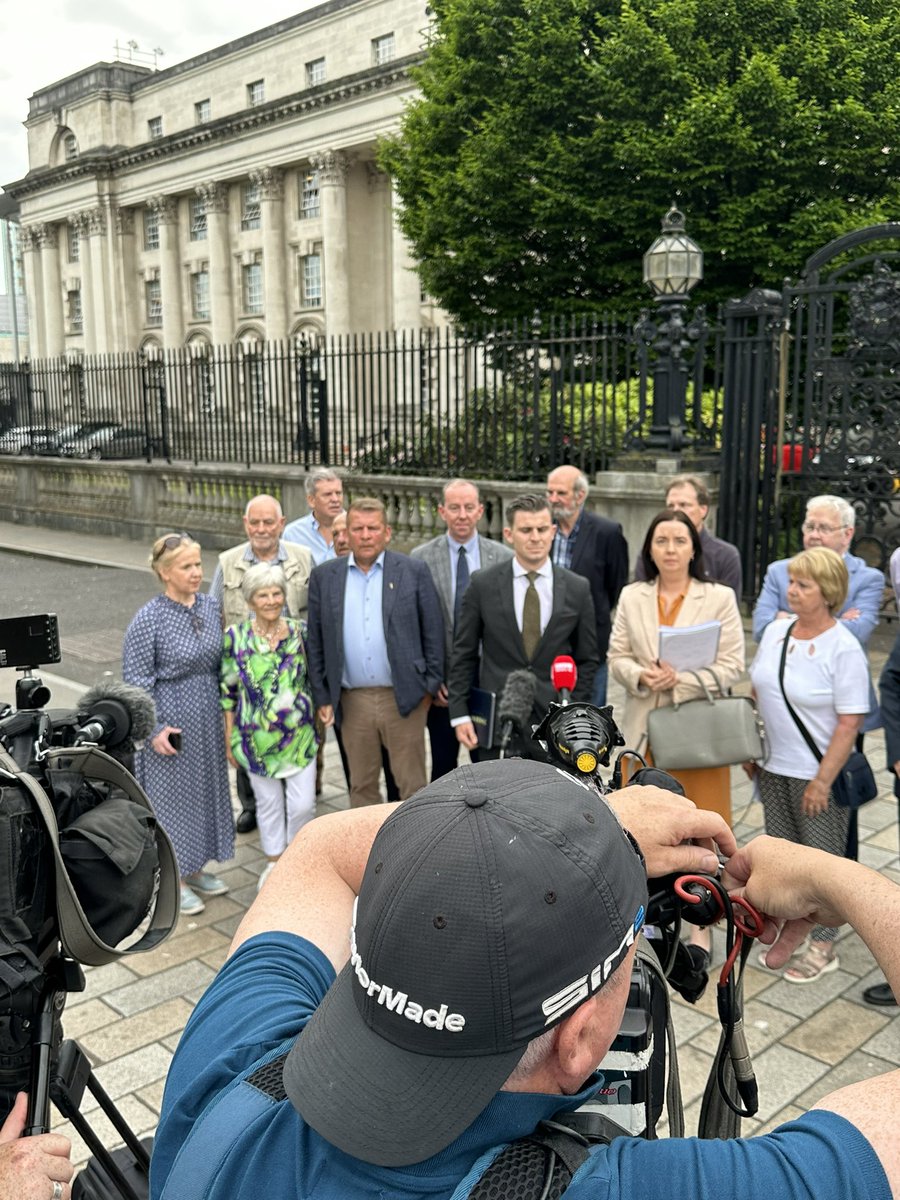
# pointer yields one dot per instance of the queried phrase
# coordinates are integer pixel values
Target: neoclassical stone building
(232, 196)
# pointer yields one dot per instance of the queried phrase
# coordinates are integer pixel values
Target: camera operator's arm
(311, 890)
(665, 825)
(801, 888)
(29, 1165)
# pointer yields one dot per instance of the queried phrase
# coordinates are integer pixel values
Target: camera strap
(80, 941)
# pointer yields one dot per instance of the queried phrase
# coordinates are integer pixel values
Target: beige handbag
(716, 731)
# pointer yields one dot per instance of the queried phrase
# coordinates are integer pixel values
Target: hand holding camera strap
(79, 939)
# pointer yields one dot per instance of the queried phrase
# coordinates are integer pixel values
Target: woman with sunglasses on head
(173, 648)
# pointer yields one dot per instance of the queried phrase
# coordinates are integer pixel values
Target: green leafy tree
(550, 136)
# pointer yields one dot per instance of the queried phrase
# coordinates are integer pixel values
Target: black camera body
(87, 862)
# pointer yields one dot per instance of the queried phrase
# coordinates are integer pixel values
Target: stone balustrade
(140, 500)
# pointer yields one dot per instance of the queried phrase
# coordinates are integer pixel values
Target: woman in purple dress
(173, 648)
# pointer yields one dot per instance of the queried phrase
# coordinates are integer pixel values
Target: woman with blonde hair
(814, 664)
(173, 648)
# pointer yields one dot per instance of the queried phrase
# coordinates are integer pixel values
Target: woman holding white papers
(675, 597)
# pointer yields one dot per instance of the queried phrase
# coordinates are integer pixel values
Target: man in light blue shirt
(376, 653)
(325, 497)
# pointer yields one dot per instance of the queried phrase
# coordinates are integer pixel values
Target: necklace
(273, 636)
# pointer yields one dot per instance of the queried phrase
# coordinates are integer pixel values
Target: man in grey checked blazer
(460, 510)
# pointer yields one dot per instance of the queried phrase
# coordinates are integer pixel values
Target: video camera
(580, 738)
(92, 877)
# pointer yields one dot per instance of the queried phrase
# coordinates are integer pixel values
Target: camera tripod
(61, 1072)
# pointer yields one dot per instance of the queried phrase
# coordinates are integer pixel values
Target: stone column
(333, 167)
(96, 332)
(407, 289)
(270, 182)
(125, 319)
(54, 335)
(378, 266)
(169, 270)
(29, 240)
(221, 302)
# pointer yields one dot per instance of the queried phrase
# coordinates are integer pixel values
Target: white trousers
(283, 806)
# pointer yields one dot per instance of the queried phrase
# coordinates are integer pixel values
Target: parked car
(21, 438)
(106, 440)
(50, 440)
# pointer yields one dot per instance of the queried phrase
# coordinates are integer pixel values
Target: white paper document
(689, 647)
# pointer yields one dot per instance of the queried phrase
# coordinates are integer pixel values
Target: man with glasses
(830, 522)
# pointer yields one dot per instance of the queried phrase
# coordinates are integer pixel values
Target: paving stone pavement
(805, 1041)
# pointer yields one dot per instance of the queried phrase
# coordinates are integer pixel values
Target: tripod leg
(67, 1089)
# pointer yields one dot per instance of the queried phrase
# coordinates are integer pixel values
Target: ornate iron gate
(812, 398)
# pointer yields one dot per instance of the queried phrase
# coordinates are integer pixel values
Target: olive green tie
(531, 617)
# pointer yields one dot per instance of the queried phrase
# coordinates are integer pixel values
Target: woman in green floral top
(269, 716)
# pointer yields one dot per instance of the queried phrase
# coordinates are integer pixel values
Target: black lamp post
(672, 267)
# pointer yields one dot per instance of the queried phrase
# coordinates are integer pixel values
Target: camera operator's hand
(35, 1168)
(673, 834)
(796, 888)
(161, 743)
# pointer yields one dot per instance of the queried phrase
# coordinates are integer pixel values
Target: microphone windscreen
(138, 703)
(563, 672)
(517, 698)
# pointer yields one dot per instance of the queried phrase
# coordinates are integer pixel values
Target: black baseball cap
(494, 902)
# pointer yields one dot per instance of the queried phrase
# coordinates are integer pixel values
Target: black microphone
(516, 703)
(115, 714)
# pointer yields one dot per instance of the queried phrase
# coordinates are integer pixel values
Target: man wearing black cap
(483, 935)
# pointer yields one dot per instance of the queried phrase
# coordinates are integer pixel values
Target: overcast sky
(46, 40)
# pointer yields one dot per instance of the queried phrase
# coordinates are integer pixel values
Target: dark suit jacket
(436, 556)
(488, 617)
(889, 684)
(601, 557)
(414, 631)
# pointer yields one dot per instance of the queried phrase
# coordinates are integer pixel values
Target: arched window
(65, 148)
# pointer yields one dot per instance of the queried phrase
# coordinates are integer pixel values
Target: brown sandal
(815, 962)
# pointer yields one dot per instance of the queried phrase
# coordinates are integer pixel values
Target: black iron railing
(509, 402)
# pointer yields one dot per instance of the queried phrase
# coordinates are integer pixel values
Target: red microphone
(564, 676)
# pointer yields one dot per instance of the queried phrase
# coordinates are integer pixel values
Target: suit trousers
(370, 719)
(444, 742)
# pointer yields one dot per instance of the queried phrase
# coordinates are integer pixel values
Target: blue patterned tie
(462, 582)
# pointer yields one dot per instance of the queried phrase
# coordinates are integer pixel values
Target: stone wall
(141, 501)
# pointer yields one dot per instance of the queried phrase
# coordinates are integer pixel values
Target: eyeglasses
(172, 542)
(813, 527)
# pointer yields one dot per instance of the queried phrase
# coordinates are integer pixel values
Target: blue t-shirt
(222, 1139)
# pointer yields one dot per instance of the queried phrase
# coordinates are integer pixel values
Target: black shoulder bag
(855, 784)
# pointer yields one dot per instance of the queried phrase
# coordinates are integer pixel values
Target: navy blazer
(488, 617)
(413, 626)
(600, 556)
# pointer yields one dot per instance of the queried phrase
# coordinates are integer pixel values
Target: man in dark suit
(721, 560)
(453, 558)
(524, 613)
(376, 653)
(882, 994)
(590, 546)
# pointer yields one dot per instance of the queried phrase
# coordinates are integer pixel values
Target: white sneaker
(267, 871)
